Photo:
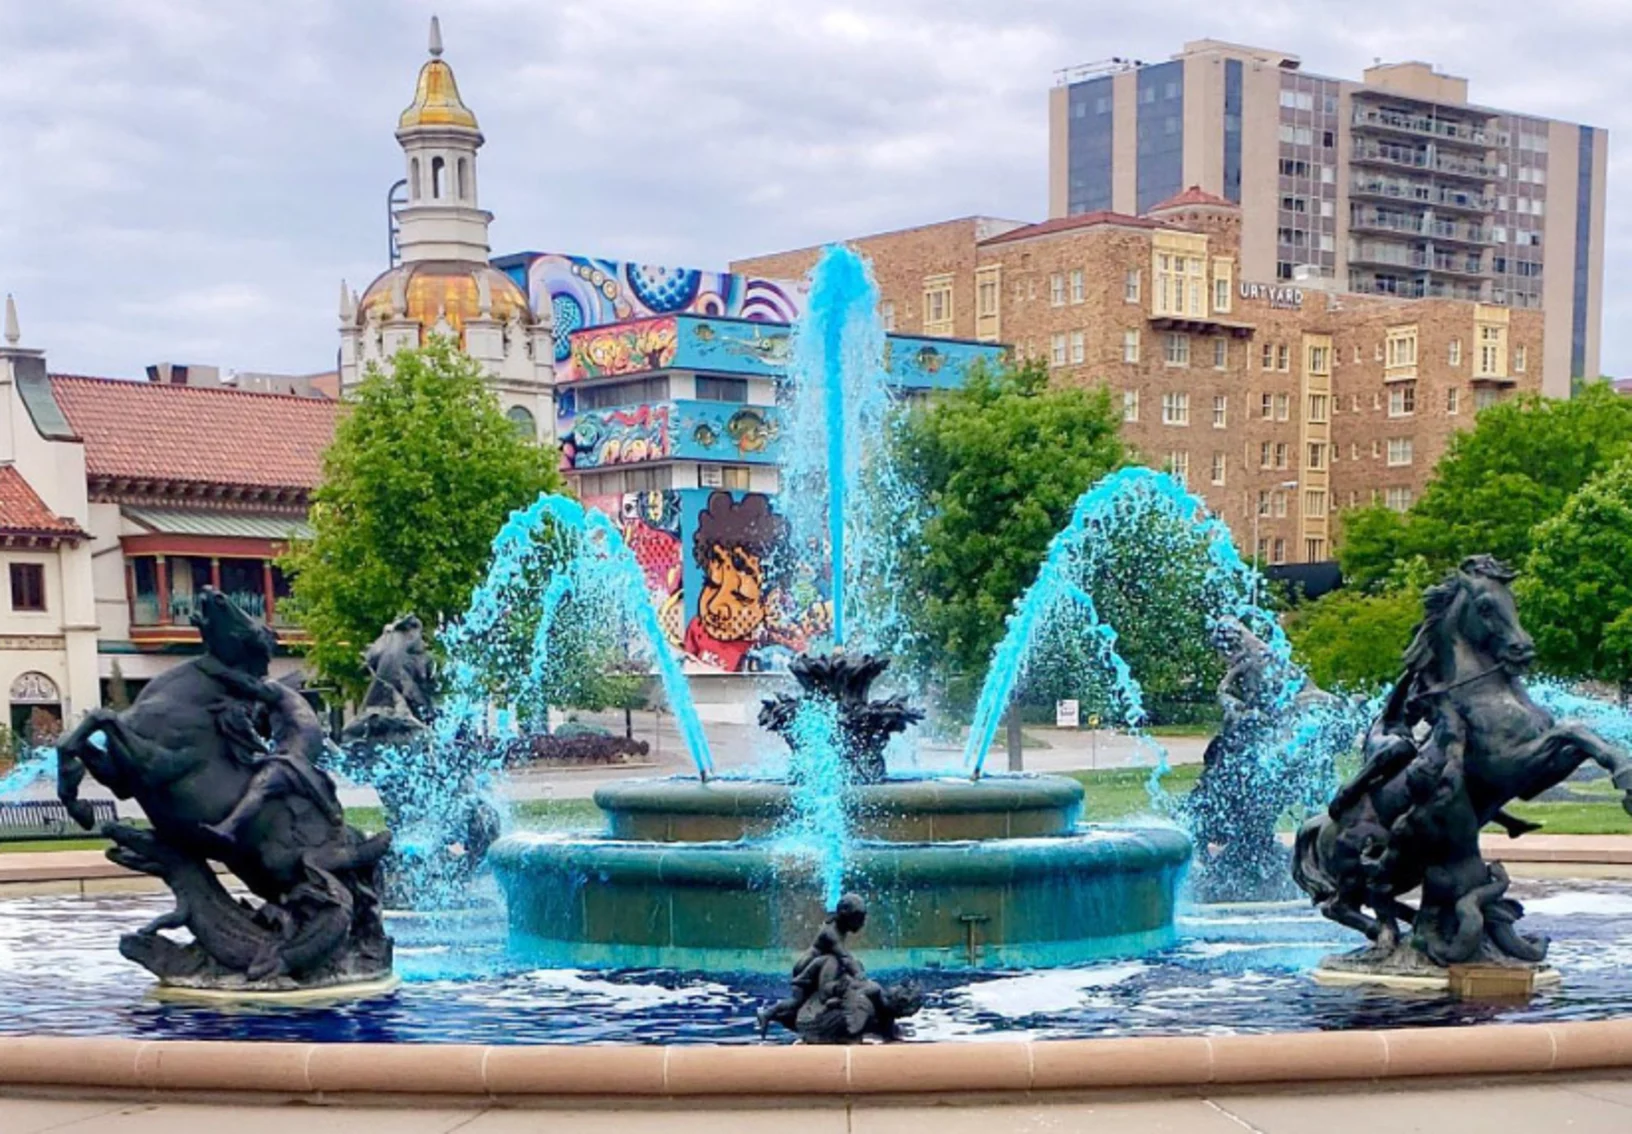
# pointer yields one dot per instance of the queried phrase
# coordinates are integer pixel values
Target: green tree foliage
(1575, 593)
(1495, 483)
(423, 470)
(1000, 463)
(1349, 640)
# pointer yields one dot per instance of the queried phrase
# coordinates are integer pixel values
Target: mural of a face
(733, 541)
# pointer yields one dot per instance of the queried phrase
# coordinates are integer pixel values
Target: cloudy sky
(189, 180)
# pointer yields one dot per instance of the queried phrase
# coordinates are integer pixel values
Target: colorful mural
(735, 347)
(627, 348)
(582, 292)
(651, 527)
(726, 431)
(915, 363)
(751, 610)
(620, 436)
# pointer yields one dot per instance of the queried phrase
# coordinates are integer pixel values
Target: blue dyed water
(818, 827)
(1234, 970)
(31, 767)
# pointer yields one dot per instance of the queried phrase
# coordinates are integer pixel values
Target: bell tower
(439, 139)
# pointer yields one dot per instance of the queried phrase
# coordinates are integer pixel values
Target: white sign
(1067, 714)
(1284, 298)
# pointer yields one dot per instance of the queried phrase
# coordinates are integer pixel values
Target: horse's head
(231, 636)
(1473, 605)
(399, 660)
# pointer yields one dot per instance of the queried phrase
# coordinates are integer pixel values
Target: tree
(1575, 593)
(999, 463)
(423, 470)
(1519, 464)
(1346, 639)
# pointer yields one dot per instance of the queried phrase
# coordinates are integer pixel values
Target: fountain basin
(894, 811)
(679, 900)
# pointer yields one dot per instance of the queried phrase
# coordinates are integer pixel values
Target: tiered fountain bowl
(693, 876)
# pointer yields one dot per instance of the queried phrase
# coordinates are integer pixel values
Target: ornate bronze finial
(436, 38)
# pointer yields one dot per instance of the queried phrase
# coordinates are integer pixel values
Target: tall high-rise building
(1393, 185)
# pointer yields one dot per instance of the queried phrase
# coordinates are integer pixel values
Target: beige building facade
(1280, 404)
(1396, 184)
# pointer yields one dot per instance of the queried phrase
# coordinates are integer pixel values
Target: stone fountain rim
(375, 1073)
(768, 798)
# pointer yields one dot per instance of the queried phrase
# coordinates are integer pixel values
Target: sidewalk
(1600, 1105)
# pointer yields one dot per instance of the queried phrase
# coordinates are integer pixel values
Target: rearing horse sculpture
(1412, 815)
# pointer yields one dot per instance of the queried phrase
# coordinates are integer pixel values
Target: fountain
(728, 874)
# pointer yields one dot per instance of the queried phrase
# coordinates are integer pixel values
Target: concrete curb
(315, 1072)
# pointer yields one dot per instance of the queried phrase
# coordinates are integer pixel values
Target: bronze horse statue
(191, 752)
(1457, 741)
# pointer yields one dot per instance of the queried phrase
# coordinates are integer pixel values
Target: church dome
(432, 289)
(436, 96)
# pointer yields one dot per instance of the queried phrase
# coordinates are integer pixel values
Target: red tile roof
(22, 512)
(195, 434)
(1195, 195)
(1079, 220)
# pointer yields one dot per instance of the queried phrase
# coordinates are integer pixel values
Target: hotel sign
(1283, 298)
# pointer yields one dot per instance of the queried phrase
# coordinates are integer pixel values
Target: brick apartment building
(1280, 403)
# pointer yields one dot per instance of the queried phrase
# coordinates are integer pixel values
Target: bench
(31, 819)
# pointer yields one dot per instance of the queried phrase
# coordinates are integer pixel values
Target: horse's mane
(1438, 599)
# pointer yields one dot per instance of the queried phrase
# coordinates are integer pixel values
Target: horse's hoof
(82, 813)
(1626, 802)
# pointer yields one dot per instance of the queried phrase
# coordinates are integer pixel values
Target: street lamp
(1257, 512)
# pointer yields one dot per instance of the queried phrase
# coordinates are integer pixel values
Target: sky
(190, 180)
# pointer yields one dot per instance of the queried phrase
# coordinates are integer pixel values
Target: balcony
(163, 593)
(1465, 266)
(1388, 255)
(1375, 220)
(1450, 232)
(1421, 126)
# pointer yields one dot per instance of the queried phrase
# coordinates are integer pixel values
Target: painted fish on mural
(930, 360)
(773, 350)
(705, 435)
(703, 332)
(751, 431)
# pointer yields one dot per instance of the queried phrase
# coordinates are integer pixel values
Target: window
(1280, 503)
(28, 586)
(1317, 455)
(1376, 448)
(1263, 502)
(722, 389)
(1079, 348)
(1283, 407)
(1399, 451)
(522, 420)
(413, 178)
(886, 315)
(1283, 358)
(1179, 464)
(1314, 503)
(1320, 360)
(1485, 398)
(1176, 348)
(464, 179)
(1268, 362)
(938, 317)
(1263, 550)
(735, 477)
(1266, 407)
(1218, 467)
(1452, 400)
(1314, 549)
(1221, 410)
(1492, 361)
(1056, 290)
(1520, 359)
(1402, 400)
(439, 170)
(1057, 353)
(1130, 286)
(1279, 554)
(1265, 456)
(1130, 405)
(1281, 453)
(1130, 346)
(1354, 450)
(1223, 284)
(1400, 348)
(1221, 353)
(1079, 288)
(1398, 499)
(986, 292)
(635, 392)
(1175, 408)
(1317, 407)
(1455, 358)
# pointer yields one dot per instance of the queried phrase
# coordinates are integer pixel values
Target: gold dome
(436, 100)
(444, 288)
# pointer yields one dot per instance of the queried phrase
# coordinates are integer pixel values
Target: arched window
(437, 170)
(464, 180)
(413, 178)
(524, 421)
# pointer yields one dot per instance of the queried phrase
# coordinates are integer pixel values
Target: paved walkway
(1537, 1106)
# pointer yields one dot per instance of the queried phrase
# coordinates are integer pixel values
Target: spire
(348, 309)
(436, 38)
(13, 334)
